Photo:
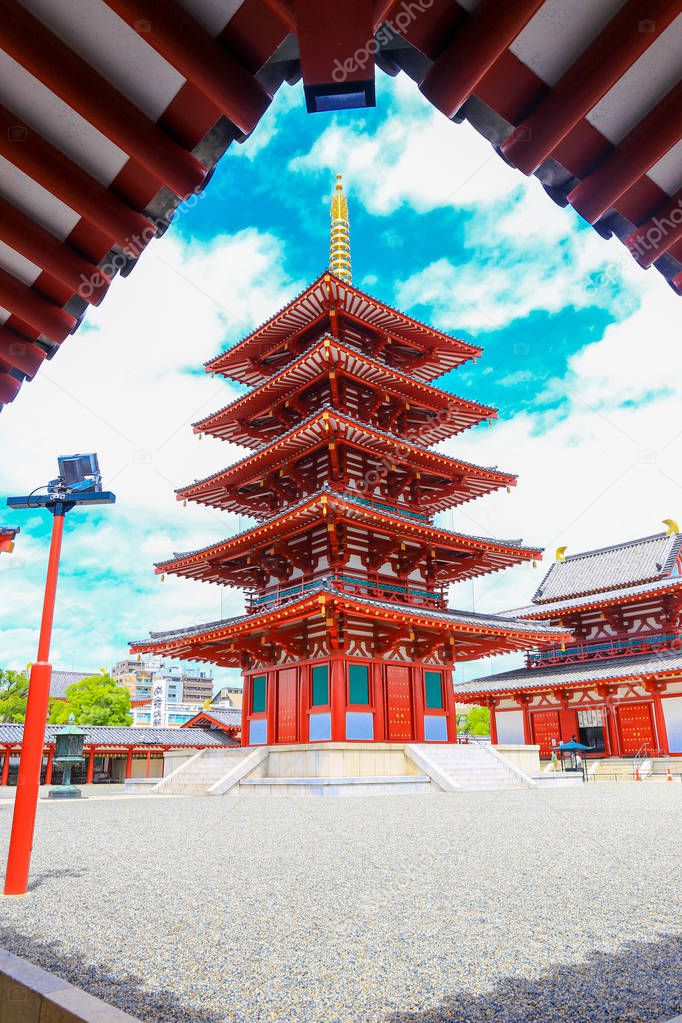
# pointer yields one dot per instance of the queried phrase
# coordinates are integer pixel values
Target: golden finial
(672, 526)
(339, 246)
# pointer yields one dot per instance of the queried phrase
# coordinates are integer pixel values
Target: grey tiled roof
(120, 735)
(484, 621)
(573, 674)
(61, 679)
(626, 592)
(625, 564)
(230, 716)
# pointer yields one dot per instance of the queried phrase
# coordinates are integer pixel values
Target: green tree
(13, 695)
(478, 720)
(96, 700)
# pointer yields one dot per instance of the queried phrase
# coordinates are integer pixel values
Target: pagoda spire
(339, 243)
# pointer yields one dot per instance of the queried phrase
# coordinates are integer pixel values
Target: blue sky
(582, 357)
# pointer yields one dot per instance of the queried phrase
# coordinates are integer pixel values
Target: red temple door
(399, 703)
(286, 705)
(636, 728)
(545, 728)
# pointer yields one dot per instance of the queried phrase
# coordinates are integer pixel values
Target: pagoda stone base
(346, 769)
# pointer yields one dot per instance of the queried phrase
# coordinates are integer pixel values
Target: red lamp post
(63, 494)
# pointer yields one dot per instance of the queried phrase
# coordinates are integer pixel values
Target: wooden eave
(246, 359)
(595, 602)
(315, 364)
(220, 643)
(456, 481)
(210, 564)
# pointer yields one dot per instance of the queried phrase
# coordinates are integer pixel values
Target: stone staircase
(202, 772)
(469, 767)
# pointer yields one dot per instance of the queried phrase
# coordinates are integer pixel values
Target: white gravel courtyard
(495, 906)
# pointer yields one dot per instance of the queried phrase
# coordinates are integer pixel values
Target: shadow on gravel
(48, 875)
(125, 992)
(640, 984)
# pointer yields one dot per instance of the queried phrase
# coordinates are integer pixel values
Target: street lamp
(79, 483)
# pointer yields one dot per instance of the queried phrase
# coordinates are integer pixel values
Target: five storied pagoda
(347, 634)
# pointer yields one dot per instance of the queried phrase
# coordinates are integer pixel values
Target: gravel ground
(517, 906)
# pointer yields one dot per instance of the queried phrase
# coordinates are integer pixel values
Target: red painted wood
(636, 729)
(48, 769)
(545, 728)
(71, 78)
(186, 45)
(568, 723)
(46, 251)
(659, 720)
(339, 700)
(340, 56)
(596, 71)
(129, 764)
(51, 320)
(286, 705)
(483, 37)
(4, 777)
(450, 708)
(399, 703)
(23, 147)
(304, 684)
(639, 150)
(418, 702)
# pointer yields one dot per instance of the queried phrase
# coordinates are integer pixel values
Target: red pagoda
(347, 635)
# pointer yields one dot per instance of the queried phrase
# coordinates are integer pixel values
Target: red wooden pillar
(48, 770)
(418, 702)
(337, 688)
(4, 778)
(614, 737)
(378, 696)
(607, 735)
(129, 763)
(148, 766)
(246, 708)
(303, 683)
(271, 707)
(493, 724)
(449, 699)
(527, 728)
(659, 721)
(91, 767)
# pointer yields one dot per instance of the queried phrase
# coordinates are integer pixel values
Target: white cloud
(417, 157)
(128, 386)
(603, 468)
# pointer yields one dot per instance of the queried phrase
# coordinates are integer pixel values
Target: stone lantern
(69, 751)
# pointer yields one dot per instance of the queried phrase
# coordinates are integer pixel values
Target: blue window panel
(258, 732)
(320, 685)
(359, 725)
(434, 689)
(320, 727)
(258, 699)
(435, 728)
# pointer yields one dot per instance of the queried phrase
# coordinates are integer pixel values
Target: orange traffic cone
(670, 775)
(637, 775)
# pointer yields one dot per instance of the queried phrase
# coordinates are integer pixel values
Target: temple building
(347, 635)
(617, 687)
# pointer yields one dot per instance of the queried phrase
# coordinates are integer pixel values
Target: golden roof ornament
(339, 244)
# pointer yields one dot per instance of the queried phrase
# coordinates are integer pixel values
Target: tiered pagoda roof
(343, 486)
(276, 473)
(332, 306)
(424, 412)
